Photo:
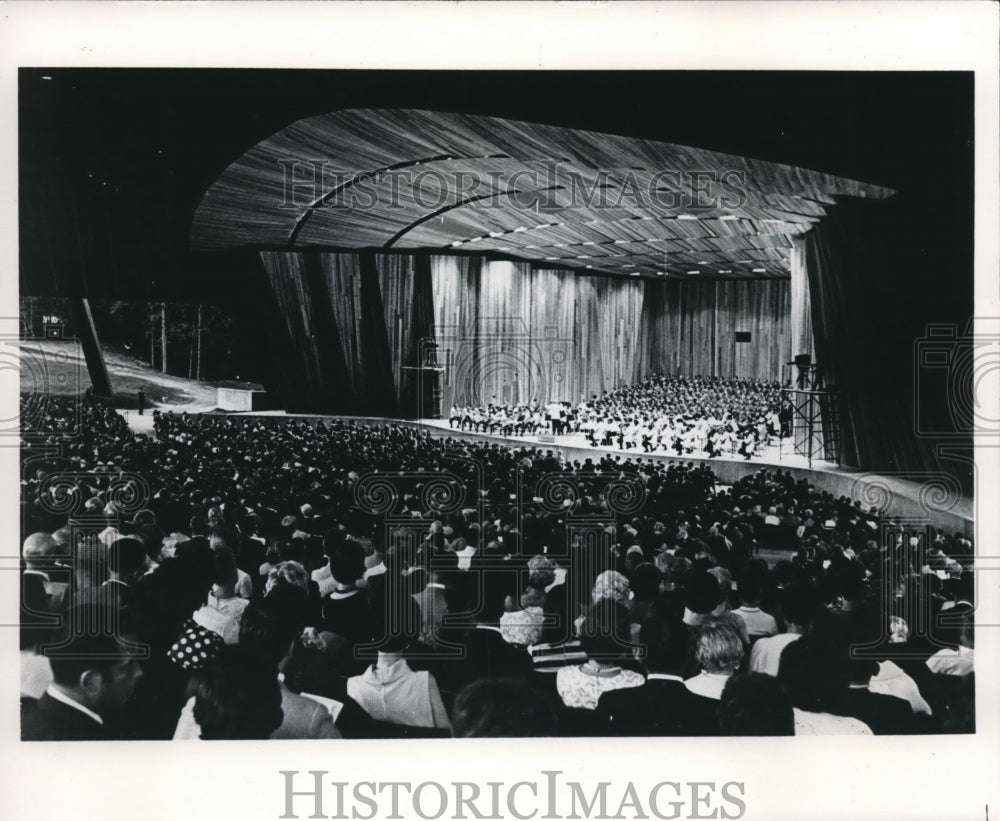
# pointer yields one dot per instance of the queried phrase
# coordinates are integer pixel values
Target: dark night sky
(114, 161)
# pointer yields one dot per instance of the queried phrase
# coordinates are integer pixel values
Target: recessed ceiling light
(475, 239)
(728, 217)
(760, 270)
(693, 273)
(725, 270)
(46, 77)
(496, 233)
(520, 229)
(703, 262)
(686, 217)
(633, 274)
(456, 243)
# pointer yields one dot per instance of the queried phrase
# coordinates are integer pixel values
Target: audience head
(268, 626)
(126, 559)
(287, 574)
(815, 672)
(347, 563)
(502, 708)
(237, 698)
(95, 659)
(755, 704)
(38, 549)
(718, 647)
(611, 585)
(665, 645)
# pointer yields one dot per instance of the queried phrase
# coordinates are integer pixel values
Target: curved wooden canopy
(403, 180)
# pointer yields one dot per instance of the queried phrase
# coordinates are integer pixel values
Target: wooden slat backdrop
(508, 333)
(690, 328)
(506, 327)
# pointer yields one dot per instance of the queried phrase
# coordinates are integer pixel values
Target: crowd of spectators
(709, 416)
(294, 578)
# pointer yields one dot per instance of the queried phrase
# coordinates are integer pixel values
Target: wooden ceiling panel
(419, 180)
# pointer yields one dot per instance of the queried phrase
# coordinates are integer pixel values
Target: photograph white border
(796, 778)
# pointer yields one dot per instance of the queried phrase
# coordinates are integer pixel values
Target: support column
(803, 340)
(86, 331)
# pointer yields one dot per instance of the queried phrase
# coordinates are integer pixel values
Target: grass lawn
(57, 367)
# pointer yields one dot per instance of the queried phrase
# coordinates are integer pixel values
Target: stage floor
(775, 454)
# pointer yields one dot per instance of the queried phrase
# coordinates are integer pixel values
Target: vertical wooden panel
(689, 328)
(511, 334)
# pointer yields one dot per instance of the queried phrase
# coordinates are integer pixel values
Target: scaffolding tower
(815, 415)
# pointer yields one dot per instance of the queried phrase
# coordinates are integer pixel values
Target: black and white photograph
(386, 405)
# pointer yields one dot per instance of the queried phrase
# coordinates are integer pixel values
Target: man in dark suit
(93, 676)
(482, 651)
(662, 706)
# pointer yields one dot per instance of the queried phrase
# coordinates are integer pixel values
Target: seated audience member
(311, 671)
(267, 630)
(751, 587)
(346, 610)
(292, 573)
(323, 576)
(92, 677)
(433, 606)
(645, 585)
(126, 565)
(956, 660)
(236, 698)
(43, 555)
(223, 609)
(755, 704)
(814, 671)
(604, 637)
(718, 653)
(662, 706)
(799, 606)
(503, 708)
(704, 598)
(36, 627)
(885, 715)
(226, 537)
(272, 558)
(390, 691)
(524, 627)
(484, 651)
(217, 477)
